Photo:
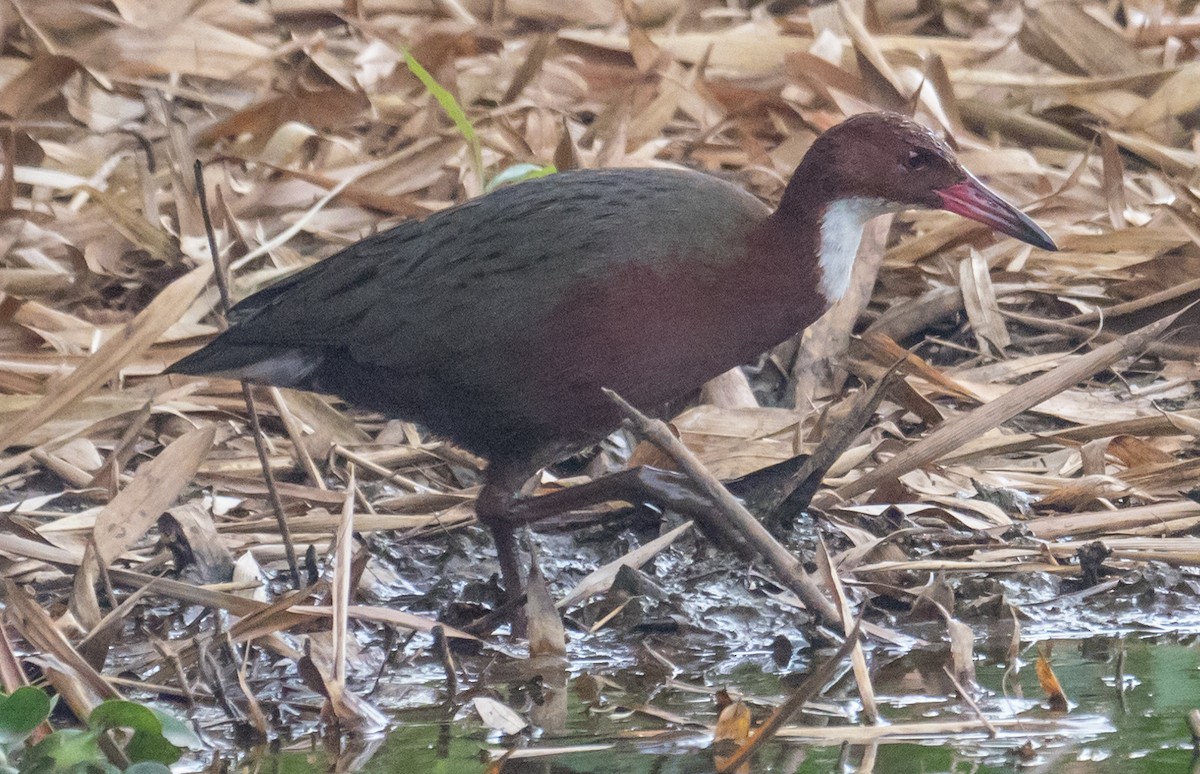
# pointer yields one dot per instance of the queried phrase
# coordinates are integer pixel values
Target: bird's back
(437, 320)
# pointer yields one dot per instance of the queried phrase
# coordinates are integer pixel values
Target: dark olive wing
(480, 273)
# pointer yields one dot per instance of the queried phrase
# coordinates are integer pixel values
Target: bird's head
(892, 160)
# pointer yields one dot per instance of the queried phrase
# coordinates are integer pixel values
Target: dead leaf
(1049, 682)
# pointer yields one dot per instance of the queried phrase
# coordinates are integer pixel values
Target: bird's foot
(664, 488)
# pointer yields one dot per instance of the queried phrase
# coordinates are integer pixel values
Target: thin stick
(834, 442)
(442, 646)
(296, 433)
(1079, 333)
(954, 433)
(116, 614)
(808, 690)
(966, 697)
(1129, 307)
(343, 557)
(786, 566)
(255, 426)
(378, 469)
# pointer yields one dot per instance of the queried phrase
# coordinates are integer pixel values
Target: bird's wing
(488, 270)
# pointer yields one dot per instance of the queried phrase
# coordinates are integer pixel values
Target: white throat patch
(841, 231)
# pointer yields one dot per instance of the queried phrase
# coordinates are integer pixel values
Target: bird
(498, 323)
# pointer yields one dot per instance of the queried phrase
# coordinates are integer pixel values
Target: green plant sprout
(454, 111)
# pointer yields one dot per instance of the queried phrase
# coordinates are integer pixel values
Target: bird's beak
(972, 199)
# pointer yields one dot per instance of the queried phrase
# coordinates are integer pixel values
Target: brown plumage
(496, 323)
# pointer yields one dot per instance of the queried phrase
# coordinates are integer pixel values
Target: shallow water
(1134, 723)
(729, 624)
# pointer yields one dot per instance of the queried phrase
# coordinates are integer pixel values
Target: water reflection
(1130, 698)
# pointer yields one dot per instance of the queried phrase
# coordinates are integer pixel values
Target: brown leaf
(979, 298)
(1133, 452)
(1049, 682)
(158, 482)
(732, 731)
(954, 433)
(1066, 36)
(37, 83)
(133, 339)
(1114, 181)
(547, 638)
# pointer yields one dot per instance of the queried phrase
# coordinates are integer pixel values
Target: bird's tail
(280, 366)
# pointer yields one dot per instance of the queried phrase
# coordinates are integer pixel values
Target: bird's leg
(492, 509)
(666, 489)
(502, 511)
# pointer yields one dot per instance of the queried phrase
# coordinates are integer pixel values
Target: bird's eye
(918, 158)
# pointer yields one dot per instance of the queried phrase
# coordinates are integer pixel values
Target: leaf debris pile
(1039, 436)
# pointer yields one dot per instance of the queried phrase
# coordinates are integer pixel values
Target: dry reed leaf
(1020, 127)
(190, 45)
(979, 299)
(865, 45)
(384, 615)
(730, 390)
(1164, 480)
(1183, 422)
(836, 735)
(599, 580)
(547, 638)
(915, 731)
(324, 108)
(1079, 405)
(249, 578)
(648, 123)
(352, 713)
(35, 84)
(884, 350)
(1085, 492)
(862, 674)
(997, 443)
(76, 680)
(751, 49)
(133, 226)
(1177, 96)
(158, 482)
(1173, 161)
(12, 676)
(1019, 563)
(499, 716)
(1134, 452)
(1065, 35)
(954, 432)
(962, 648)
(340, 591)
(733, 442)
(131, 340)
(1052, 84)
(1114, 181)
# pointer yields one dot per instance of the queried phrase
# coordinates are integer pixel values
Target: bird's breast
(656, 332)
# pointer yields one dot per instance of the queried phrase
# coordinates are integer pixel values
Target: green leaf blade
(148, 742)
(451, 108)
(21, 712)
